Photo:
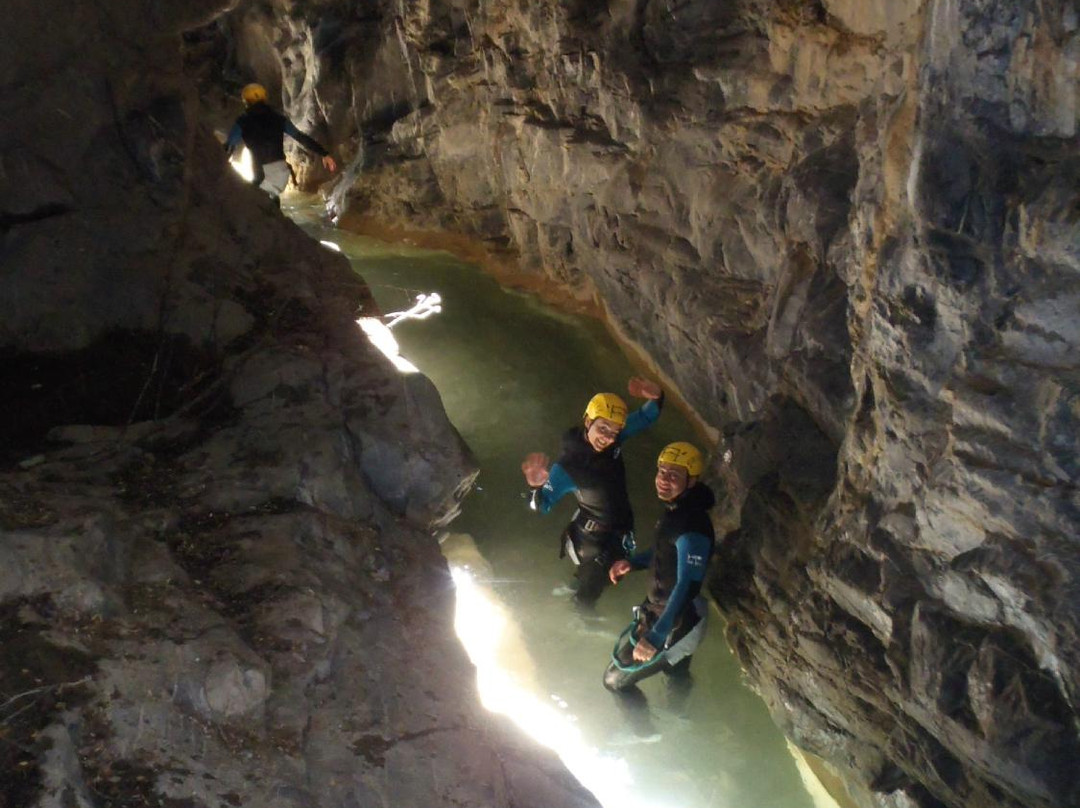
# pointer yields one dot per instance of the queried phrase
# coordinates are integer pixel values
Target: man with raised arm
(262, 129)
(591, 468)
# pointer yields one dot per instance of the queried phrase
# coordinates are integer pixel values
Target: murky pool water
(514, 374)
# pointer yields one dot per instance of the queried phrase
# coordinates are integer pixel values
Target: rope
(634, 668)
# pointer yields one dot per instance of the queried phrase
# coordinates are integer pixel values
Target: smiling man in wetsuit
(669, 624)
(591, 468)
(262, 129)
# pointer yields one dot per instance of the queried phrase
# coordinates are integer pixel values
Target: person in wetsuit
(661, 638)
(590, 467)
(262, 129)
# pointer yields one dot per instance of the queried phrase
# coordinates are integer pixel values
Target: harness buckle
(592, 526)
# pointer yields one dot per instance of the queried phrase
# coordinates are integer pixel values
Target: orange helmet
(253, 94)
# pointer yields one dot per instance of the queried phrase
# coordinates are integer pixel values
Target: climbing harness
(672, 654)
(628, 634)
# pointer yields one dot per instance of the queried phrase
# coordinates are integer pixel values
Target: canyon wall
(848, 232)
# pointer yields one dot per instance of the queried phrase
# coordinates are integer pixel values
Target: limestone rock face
(219, 579)
(848, 232)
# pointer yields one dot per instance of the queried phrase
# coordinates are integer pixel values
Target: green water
(514, 374)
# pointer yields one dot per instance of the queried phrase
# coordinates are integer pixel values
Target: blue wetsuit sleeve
(232, 143)
(306, 141)
(692, 550)
(640, 561)
(558, 485)
(642, 418)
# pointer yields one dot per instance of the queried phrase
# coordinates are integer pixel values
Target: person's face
(671, 481)
(601, 433)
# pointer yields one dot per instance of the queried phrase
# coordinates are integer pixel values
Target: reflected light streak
(814, 787)
(380, 336)
(425, 306)
(242, 165)
(482, 626)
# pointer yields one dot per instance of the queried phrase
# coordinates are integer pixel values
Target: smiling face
(601, 433)
(671, 481)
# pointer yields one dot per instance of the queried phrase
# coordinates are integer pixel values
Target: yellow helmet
(253, 94)
(683, 454)
(607, 405)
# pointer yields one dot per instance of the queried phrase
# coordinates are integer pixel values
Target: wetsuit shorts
(276, 177)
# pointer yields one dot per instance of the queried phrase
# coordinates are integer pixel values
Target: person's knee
(588, 592)
(619, 679)
(592, 580)
(616, 679)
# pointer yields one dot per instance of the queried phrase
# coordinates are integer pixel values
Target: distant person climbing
(262, 129)
(591, 468)
(670, 623)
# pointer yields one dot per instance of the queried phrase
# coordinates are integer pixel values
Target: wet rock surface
(278, 654)
(848, 233)
(220, 583)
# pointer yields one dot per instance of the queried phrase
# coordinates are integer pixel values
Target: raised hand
(329, 163)
(643, 388)
(535, 469)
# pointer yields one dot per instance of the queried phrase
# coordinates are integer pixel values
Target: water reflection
(513, 374)
(507, 683)
(379, 334)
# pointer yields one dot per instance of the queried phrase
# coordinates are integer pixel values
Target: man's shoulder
(700, 497)
(262, 111)
(573, 438)
(575, 449)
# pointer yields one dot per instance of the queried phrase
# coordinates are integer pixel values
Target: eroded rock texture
(849, 233)
(219, 583)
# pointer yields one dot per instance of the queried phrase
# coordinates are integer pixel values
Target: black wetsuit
(262, 130)
(677, 564)
(602, 529)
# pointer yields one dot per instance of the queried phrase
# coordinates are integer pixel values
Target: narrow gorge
(846, 233)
